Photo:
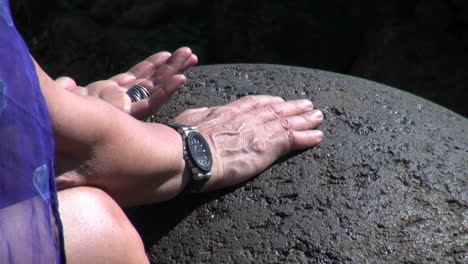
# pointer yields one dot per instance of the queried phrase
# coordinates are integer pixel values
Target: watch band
(197, 155)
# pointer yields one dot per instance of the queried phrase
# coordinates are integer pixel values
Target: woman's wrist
(152, 163)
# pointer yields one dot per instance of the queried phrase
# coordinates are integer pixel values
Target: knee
(96, 230)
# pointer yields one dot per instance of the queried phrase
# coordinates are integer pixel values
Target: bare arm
(161, 74)
(133, 161)
(138, 162)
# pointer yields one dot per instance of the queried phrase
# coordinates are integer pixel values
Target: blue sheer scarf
(30, 227)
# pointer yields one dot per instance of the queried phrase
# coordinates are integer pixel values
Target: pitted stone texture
(388, 184)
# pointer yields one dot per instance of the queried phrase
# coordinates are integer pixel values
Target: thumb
(65, 82)
(70, 179)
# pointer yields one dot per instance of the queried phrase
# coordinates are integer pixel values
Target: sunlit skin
(109, 159)
(161, 74)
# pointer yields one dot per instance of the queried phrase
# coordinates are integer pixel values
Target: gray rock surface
(387, 185)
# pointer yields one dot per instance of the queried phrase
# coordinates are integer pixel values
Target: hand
(248, 135)
(160, 73)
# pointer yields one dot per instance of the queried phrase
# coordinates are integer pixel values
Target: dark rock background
(417, 45)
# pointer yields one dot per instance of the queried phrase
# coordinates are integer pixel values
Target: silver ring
(138, 92)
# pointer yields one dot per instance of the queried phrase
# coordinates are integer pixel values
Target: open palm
(160, 73)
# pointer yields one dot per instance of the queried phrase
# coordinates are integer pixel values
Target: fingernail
(317, 114)
(279, 98)
(318, 134)
(306, 103)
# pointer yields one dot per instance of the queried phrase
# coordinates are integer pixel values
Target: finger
(295, 140)
(142, 70)
(189, 63)
(70, 179)
(170, 83)
(65, 82)
(149, 106)
(281, 110)
(248, 103)
(158, 57)
(313, 120)
(148, 84)
(305, 139)
(307, 121)
(146, 68)
(173, 66)
(179, 57)
(95, 88)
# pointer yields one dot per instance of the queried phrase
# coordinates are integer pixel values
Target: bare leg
(96, 229)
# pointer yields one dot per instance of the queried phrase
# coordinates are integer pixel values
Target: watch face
(199, 151)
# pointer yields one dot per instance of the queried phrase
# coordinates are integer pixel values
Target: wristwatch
(197, 155)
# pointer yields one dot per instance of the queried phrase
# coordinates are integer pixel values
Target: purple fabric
(30, 227)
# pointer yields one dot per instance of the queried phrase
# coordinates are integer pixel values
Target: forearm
(71, 113)
(139, 163)
(133, 161)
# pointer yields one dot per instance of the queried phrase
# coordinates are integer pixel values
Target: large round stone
(388, 184)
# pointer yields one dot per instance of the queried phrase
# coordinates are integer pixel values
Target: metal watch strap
(198, 175)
